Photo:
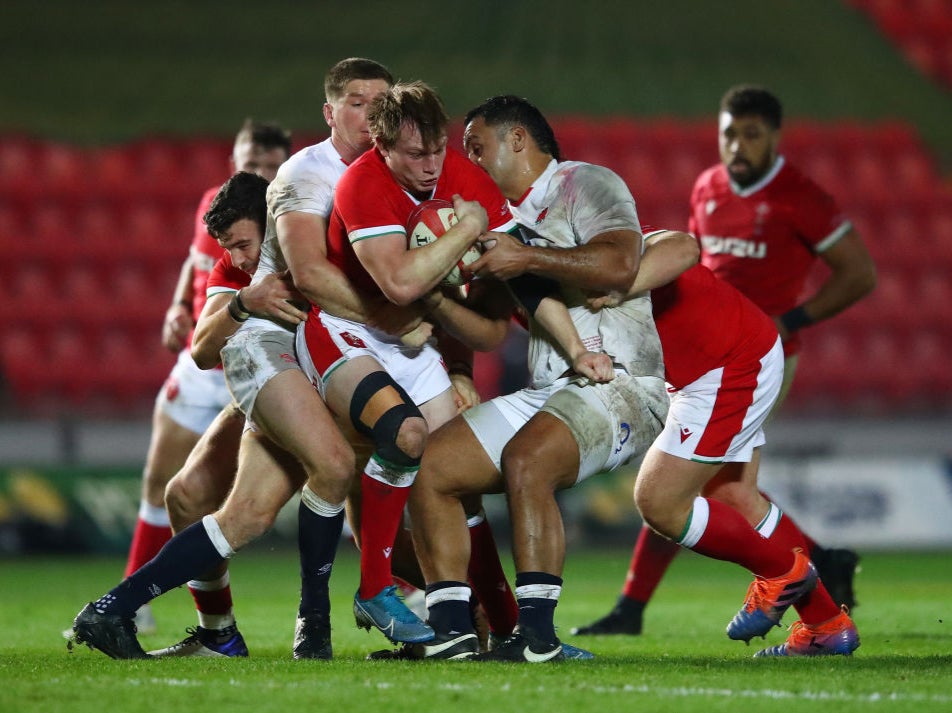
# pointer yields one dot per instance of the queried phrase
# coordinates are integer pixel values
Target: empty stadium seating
(93, 240)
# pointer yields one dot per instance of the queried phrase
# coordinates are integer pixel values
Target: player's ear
(517, 138)
(328, 114)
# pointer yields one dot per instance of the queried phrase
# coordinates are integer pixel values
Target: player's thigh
(289, 410)
(669, 484)
(455, 463)
(543, 453)
(439, 410)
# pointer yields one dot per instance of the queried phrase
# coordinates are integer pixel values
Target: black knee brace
(384, 431)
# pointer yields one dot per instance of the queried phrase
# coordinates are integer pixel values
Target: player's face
(488, 150)
(253, 158)
(243, 242)
(414, 166)
(748, 147)
(347, 116)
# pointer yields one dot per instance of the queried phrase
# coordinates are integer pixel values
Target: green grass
(683, 661)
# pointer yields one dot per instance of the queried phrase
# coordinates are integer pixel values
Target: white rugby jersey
(305, 182)
(568, 205)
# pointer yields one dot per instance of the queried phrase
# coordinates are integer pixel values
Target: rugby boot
(112, 634)
(768, 599)
(390, 615)
(835, 637)
(224, 643)
(312, 637)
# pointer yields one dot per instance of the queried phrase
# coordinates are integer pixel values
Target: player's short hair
(347, 70)
(753, 100)
(413, 103)
(242, 196)
(505, 111)
(265, 134)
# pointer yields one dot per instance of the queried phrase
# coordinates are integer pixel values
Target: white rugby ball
(427, 223)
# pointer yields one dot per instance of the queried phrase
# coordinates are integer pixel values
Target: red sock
(212, 602)
(649, 561)
(381, 510)
(147, 540)
(488, 580)
(808, 542)
(787, 535)
(718, 531)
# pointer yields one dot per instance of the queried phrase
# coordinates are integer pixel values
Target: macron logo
(387, 551)
(686, 433)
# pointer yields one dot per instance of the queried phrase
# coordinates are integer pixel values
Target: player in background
(580, 232)
(762, 225)
(281, 407)
(393, 393)
(191, 398)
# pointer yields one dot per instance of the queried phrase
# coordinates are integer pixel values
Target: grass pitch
(683, 661)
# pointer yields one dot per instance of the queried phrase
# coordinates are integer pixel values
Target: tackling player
(191, 398)
(762, 225)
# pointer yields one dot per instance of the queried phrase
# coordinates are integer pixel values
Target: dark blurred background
(115, 117)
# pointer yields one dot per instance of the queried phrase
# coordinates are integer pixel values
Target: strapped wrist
(236, 309)
(796, 319)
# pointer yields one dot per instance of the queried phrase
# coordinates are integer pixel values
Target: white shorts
(252, 357)
(328, 342)
(719, 418)
(612, 423)
(193, 397)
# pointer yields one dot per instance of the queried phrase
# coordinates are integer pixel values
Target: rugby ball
(427, 223)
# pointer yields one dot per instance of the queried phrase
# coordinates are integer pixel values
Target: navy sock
(186, 556)
(536, 612)
(449, 615)
(318, 536)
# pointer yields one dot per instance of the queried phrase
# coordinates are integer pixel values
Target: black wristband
(795, 319)
(237, 313)
(241, 305)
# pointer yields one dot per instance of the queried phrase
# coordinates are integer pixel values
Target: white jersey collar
(534, 198)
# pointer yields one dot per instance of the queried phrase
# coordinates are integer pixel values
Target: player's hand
(471, 212)
(275, 297)
(596, 366)
(418, 336)
(176, 327)
(464, 392)
(384, 315)
(598, 301)
(504, 257)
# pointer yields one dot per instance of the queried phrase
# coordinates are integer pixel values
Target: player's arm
(480, 320)
(407, 275)
(178, 317)
(303, 240)
(852, 277)
(226, 310)
(554, 316)
(608, 262)
(667, 254)
(541, 299)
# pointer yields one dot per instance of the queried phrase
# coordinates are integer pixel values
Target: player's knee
(521, 471)
(399, 435)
